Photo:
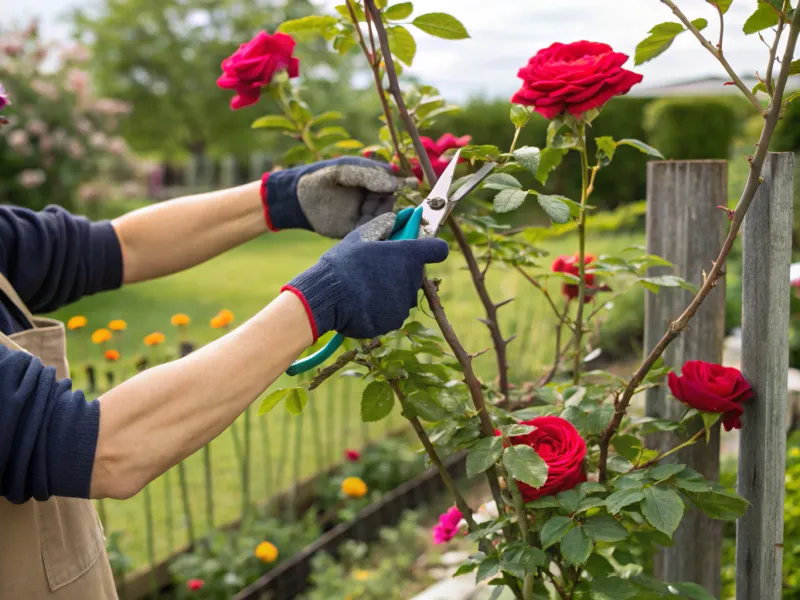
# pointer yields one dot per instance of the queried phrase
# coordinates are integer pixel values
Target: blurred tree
(163, 57)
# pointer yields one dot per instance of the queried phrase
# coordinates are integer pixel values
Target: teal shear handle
(406, 227)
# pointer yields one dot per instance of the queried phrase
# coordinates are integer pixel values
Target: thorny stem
(372, 59)
(561, 317)
(772, 52)
(721, 28)
(474, 385)
(576, 376)
(717, 53)
(522, 521)
(344, 359)
(490, 307)
(557, 359)
(559, 588)
(514, 141)
(753, 181)
(688, 442)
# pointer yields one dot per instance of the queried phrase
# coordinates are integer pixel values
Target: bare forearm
(171, 236)
(158, 418)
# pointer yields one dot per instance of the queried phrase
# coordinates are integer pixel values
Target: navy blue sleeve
(53, 258)
(48, 433)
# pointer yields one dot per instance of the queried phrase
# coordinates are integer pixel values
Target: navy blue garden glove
(331, 197)
(363, 287)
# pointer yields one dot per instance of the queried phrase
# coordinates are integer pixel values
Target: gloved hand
(331, 197)
(363, 287)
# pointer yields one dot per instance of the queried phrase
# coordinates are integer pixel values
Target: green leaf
(426, 406)
(399, 12)
(328, 115)
(692, 590)
(555, 529)
(529, 157)
(660, 38)
(486, 529)
(525, 465)
(764, 17)
(402, 44)
(794, 67)
(271, 401)
(441, 25)
(309, 24)
(549, 159)
(543, 502)
(349, 144)
(377, 401)
(662, 472)
(483, 455)
(599, 418)
(296, 401)
(520, 115)
(612, 588)
(628, 446)
(501, 181)
(569, 500)
(619, 500)
(576, 546)
(606, 146)
(587, 503)
(556, 209)
(667, 281)
(602, 528)
(720, 503)
(516, 429)
(519, 558)
(700, 24)
(488, 568)
(274, 122)
(343, 10)
(791, 98)
(619, 464)
(721, 5)
(509, 199)
(663, 509)
(641, 147)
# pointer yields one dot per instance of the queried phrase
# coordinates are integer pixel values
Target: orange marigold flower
(117, 325)
(226, 316)
(112, 355)
(154, 339)
(354, 487)
(100, 336)
(180, 320)
(266, 552)
(217, 322)
(76, 323)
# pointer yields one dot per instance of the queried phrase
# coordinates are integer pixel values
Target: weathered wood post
(227, 173)
(767, 247)
(685, 226)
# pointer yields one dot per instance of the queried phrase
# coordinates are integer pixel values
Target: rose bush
(580, 497)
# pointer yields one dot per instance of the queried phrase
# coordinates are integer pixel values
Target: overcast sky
(505, 33)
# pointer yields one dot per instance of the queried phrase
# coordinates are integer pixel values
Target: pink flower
(45, 143)
(45, 88)
(194, 584)
(111, 106)
(97, 139)
(448, 525)
(75, 150)
(36, 127)
(352, 455)
(77, 80)
(83, 126)
(77, 53)
(31, 178)
(18, 140)
(118, 146)
(254, 64)
(4, 101)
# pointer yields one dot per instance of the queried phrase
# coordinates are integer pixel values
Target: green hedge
(695, 128)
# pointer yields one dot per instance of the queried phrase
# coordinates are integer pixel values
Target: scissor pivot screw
(437, 203)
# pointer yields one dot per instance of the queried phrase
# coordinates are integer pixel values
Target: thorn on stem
(729, 211)
(504, 302)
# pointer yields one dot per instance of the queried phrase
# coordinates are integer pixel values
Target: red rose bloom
(712, 388)
(571, 265)
(563, 449)
(435, 150)
(254, 65)
(352, 455)
(574, 78)
(194, 584)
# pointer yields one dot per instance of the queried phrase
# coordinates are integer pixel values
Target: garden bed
(291, 578)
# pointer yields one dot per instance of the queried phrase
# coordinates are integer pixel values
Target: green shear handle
(406, 227)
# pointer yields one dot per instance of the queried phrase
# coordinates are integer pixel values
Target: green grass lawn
(283, 447)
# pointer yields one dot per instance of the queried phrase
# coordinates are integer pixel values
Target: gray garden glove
(331, 197)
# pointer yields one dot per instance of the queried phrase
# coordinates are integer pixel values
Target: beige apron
(55, 549)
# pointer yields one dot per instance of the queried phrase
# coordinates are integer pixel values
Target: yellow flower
(360, 575)
(266, 552)
(117, 325)
(180, 320)
(217, 322)
(100, 336)
(354, 487)
(794, 452)
(76, 323)
(154, 339)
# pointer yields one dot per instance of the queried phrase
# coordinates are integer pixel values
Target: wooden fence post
(767, 247)
(685, 226)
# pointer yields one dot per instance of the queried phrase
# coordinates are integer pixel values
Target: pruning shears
(411, 223)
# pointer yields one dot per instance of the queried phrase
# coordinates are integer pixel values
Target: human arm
(329, 197)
